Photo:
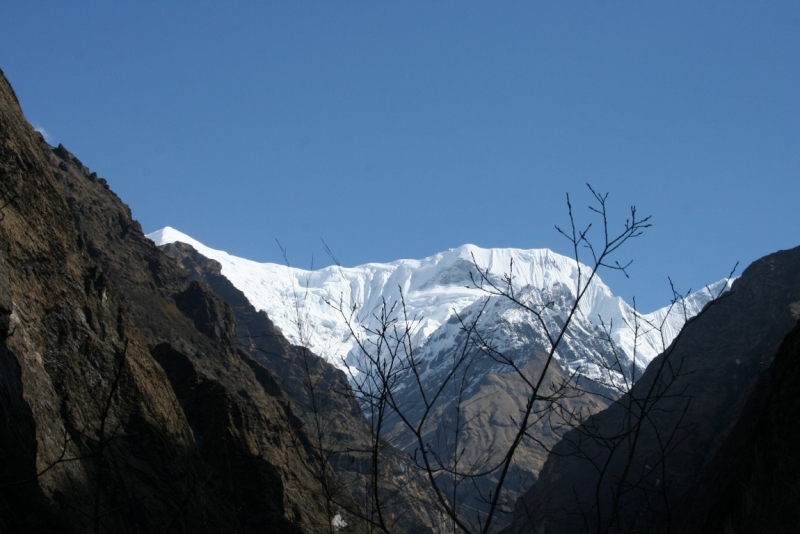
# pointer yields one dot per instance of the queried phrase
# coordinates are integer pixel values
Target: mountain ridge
(433, 289)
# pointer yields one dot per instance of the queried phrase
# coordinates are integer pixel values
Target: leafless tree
(390, 365)
(390, 361)
(628, 497)
(348, 458)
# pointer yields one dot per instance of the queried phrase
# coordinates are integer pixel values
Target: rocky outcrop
(247, 434)
(296, 366)
(716, 365)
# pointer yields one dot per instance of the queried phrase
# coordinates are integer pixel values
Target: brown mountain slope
(126, 404)
(245, 427)
(717, 360)
(92, 437)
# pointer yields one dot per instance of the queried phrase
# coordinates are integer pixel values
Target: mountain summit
(303, 304)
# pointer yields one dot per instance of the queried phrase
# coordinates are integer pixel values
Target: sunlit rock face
(127, 404)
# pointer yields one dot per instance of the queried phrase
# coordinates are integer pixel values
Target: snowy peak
(434, 289)
(171, 235)
(536, 267)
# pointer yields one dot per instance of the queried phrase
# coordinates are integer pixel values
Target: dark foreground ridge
(720, 452)
(127, 405)
(753, 482)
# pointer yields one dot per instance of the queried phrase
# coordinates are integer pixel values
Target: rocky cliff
(126, 403)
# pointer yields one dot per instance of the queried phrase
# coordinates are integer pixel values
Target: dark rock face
(77, 381)
(125, 403)
(296, 366)
(753, 483)
(209, 315)
(720, 356)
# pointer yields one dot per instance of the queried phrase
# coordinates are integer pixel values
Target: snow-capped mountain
(303, 304)
(467, 410)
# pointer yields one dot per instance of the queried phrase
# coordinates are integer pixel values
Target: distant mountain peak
(434, 289)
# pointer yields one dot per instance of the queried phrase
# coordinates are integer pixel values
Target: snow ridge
(434, 290)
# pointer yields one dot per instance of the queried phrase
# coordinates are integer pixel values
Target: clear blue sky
(400, 129)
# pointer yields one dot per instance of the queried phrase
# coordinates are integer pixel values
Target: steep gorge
(141, 392)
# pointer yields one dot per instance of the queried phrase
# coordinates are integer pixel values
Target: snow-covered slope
(303, 303)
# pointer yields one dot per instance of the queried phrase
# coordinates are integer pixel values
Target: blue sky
(397, 129)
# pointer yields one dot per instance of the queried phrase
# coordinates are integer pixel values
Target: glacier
(306, 305)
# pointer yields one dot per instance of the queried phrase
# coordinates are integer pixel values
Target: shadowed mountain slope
(753, 483)
(89, 420)
(717, 362)
(246, 427)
